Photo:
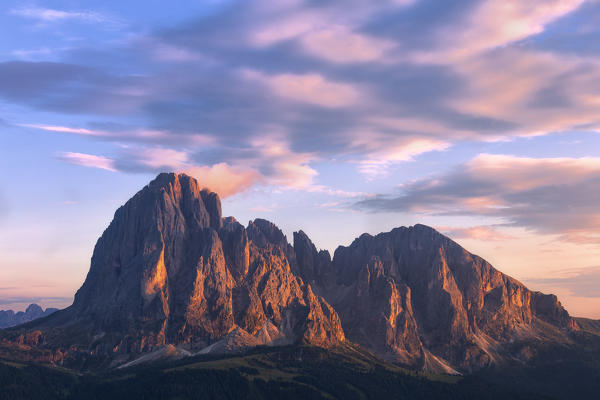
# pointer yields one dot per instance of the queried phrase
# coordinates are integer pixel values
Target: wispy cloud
(53, 15)
(337, 44)
(308, 88)
(547, 195)
(378, 157)
(272, 163)
(368, 84)
(130, 134)
(32, 299)
(89, 160)
(581, 282)
(64, 129)
(481, 232)
(492, 23)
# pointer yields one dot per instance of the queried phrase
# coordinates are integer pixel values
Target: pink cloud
(64, 129)
(286, 27)
(224, 179)
(525, 173)
(290, 169)
(495, 23)
(338, 44)
(383, 151)
(89, 160)
(482, 232)
(527, 74)
(582, 236)
(289, 20)
(308, 88)
(150, 135)
(159, 158)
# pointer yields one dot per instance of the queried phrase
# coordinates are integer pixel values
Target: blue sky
(479, 118)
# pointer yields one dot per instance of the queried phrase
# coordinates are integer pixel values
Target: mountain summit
(171, 273)
(416, 297)
(170, 270)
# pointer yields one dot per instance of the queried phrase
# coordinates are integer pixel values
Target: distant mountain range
(10, 318)
(171, 278)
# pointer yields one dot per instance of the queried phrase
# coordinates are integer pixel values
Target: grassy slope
(288, 372)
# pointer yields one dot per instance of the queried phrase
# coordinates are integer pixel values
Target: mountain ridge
(9, 318)
(170, 270)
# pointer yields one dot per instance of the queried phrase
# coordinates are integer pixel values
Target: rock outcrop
(416, 297)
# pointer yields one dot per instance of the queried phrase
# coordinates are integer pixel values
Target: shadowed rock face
(170, 269)
(414, 296)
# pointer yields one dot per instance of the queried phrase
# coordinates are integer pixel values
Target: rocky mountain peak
(170, 270)
(184, 191)
(34, 309)
(414, 296)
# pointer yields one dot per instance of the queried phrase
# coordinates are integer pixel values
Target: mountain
(170, 270)
(171, 278)
(9, 318)
(415, 297)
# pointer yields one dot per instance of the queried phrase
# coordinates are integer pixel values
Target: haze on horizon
(480, 119)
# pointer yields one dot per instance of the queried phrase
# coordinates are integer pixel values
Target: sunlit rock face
(170, 269)
(416, 297)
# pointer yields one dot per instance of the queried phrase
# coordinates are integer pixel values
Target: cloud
(336, 192)
(89, 160)
(221, 178)
(548, 93)
(30, 300)
(51, 15)
(308, 88)
(48, 16)
(300, 20)
(166, 52)
(125, 134)
(482, 232)
(379, 156)
(338, 80)
(33, 54)
(152, 159)
(63, 129)
(225, 179)
(495, 23)
(271, 162)
(279, 164)
(290, 25)
(337, 44)
(581, 282)
(546, 195)
(71, 88)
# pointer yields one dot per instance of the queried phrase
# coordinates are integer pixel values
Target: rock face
(9, 318)
(170, 270)
(416, 297)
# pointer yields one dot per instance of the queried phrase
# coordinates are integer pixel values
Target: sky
(479, 118)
